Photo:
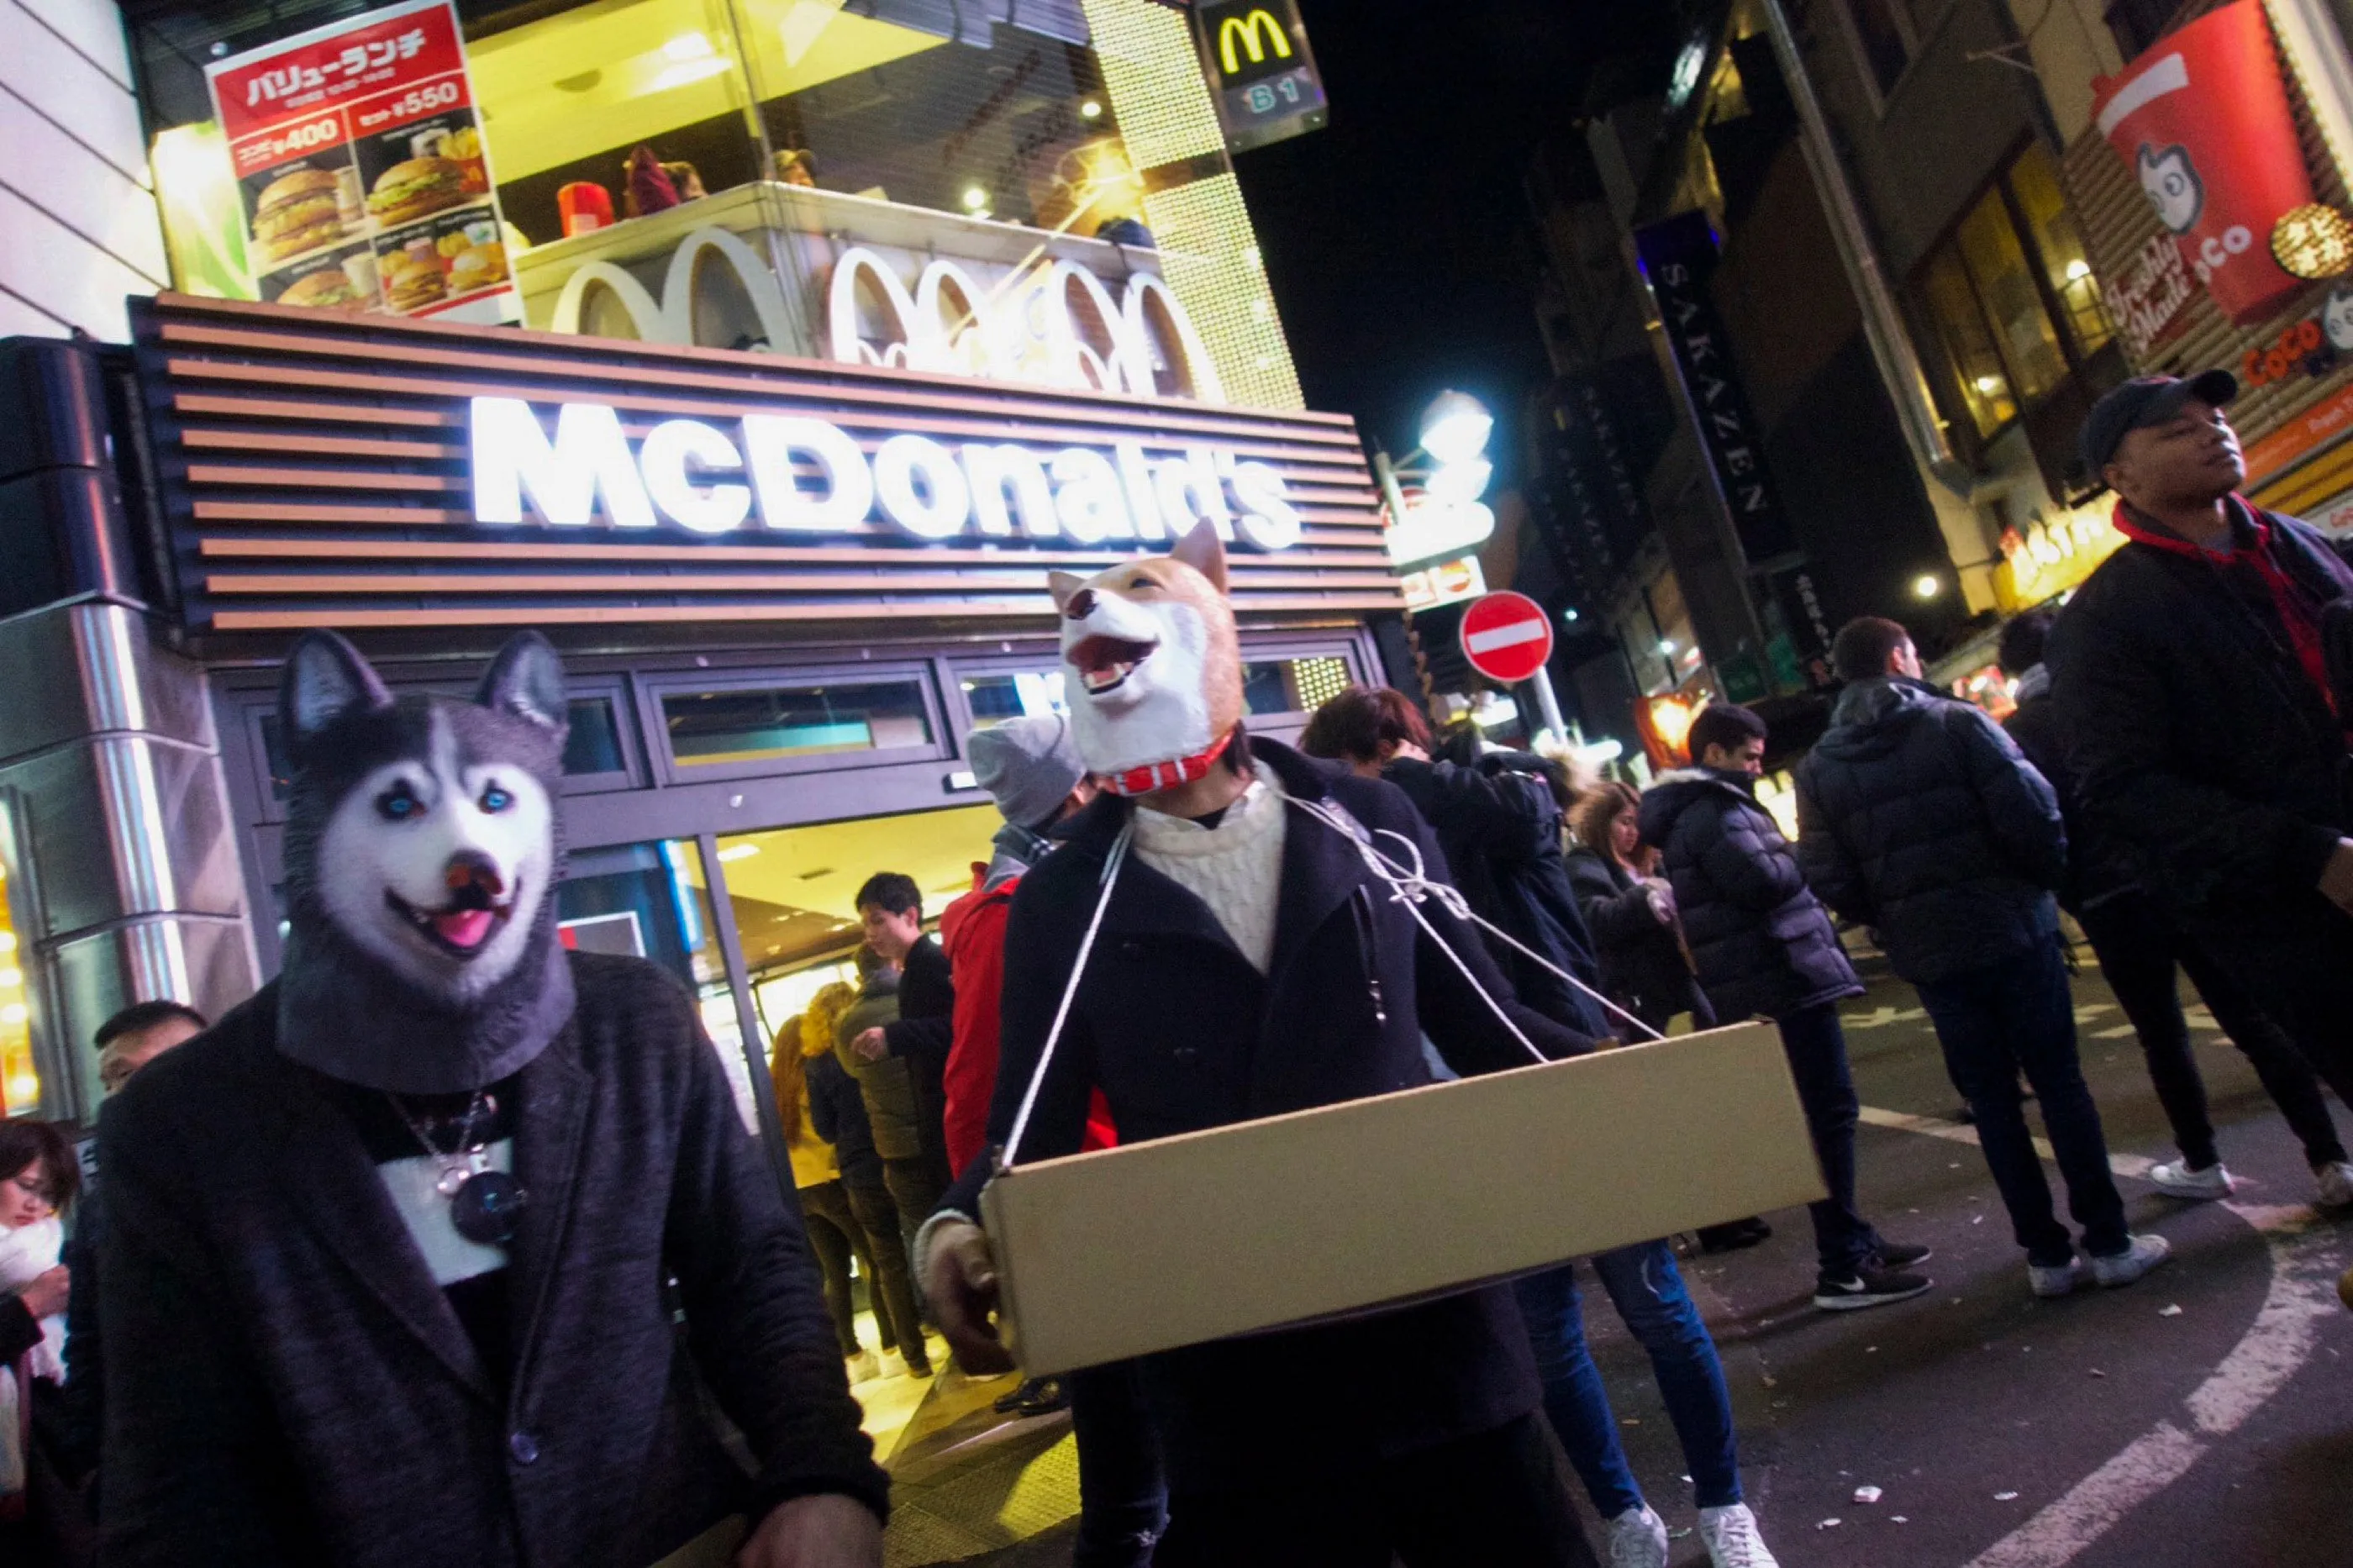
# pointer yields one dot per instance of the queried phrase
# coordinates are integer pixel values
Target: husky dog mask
(421, 855)
(1154, 666)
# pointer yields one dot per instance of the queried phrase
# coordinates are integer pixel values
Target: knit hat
(1028, 766)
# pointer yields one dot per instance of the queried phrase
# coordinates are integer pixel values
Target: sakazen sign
(793, 474)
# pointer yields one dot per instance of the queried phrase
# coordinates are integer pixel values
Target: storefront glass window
(20, 1083)
(997, 698)
(773, 723)
(1292, 685)
(1976, 372)
(2022, 330)
(2058, 248)
(592, 744)
(652, 901)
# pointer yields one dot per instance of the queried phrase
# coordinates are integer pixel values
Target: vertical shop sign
(361, 170)
(1261, 71)
(1678, 259)
(1806, 628)
(2202, 120)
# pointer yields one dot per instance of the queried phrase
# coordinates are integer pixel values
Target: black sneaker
(1870, 1288)
(1894, 1255)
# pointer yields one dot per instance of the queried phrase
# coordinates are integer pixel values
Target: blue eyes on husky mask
(399, 802)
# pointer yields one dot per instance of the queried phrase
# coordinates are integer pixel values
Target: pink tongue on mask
(463, 928)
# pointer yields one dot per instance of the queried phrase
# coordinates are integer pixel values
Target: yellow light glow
(12, 979)
(15, 1013)
(8, 941)
(1090, 109)
(739, 852)
(974, 198)
(1988, 385)
(2078, 270)
(688, 47)
(1926, 587)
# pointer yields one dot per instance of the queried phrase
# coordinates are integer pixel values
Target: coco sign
(794, 474)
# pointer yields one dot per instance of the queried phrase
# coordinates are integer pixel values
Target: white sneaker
(2335, 1181)
(2175, 1178)
(1732, 1539)
(863, 1367)
(2143, 1254)
(2051, 1283)
(1638, 1538)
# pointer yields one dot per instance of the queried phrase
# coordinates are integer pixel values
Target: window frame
(668, 772)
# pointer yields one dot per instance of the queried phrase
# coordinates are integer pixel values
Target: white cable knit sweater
(1236, 867)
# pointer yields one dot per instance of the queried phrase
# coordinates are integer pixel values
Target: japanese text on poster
(361, 168)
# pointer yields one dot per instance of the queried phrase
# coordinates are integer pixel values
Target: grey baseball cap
(2144, 400)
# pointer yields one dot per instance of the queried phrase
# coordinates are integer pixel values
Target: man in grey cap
(2205, 717)
(1030, 768)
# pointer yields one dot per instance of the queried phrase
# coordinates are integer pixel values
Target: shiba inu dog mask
(421, 861)
(1154, 663)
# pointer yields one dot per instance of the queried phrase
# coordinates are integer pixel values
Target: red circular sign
(1506, 636)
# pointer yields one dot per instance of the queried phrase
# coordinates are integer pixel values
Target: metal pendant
(487, 1208)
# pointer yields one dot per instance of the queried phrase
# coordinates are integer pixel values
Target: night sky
(1398, 239)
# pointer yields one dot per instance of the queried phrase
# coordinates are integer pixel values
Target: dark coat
(2199, 743)
(922, 1035)
(1917, 816)
(285, 1384)
(1758, 935)
(1501, 831)
(838, 1113)
(19, 1330)
(1642, 964)
(1180, 1032)
(2097, 870)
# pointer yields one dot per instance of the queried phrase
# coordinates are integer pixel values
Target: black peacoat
(285, 1384)
(1180, 1032)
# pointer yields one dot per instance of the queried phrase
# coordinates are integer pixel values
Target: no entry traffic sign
(1506, 636)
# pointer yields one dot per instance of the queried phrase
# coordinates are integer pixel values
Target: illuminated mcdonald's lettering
(1256, 32)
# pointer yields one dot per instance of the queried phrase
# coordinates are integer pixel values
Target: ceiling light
(1460, 482)
(1090, 110)
(688, 47)
(11, 979)
(1988, 384)
(1666, 645)
(1927, 585)
(1569, 613)
(739, 852)
(1455, 427)
(974, 198)
(2078, 270)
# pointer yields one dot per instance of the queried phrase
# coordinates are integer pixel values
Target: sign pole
(1548, 704)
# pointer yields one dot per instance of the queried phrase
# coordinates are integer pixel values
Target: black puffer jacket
(1643, 966)
(1917, 815)
(1760, 938)
(2198, 740)
(2097, 869)
(1501, 830)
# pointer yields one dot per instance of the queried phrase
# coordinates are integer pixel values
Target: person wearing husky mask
(396, 1250)
(1249, 964)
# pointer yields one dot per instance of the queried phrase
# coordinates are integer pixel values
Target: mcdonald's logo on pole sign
(1263, 74)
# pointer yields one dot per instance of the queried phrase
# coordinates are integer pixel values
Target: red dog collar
(1155, 777)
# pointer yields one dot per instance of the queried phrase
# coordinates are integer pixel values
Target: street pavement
(2203, 1416)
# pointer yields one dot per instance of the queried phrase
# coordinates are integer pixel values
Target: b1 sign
(797, 473)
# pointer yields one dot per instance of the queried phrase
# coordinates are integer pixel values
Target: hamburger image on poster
(298, 209)
(408, 178)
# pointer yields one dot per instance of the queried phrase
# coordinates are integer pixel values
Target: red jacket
(972, 930)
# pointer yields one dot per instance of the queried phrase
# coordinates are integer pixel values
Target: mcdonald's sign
(1260, 70)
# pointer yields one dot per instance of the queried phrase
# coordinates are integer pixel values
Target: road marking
(2133, 1167)
(1883, 1018)
(2302, 1293)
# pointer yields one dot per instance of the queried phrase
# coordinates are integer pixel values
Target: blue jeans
(2018, 1016)
(1649, 1293)
(1815, 1043)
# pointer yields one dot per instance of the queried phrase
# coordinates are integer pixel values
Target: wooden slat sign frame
(327, 469)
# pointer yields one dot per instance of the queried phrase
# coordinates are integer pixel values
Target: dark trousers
(836, 1236)
(878, 1214)
(1500, 1499)
(2298, 958)
(1122, 1492)
(2138, 948)
(2016, 1016)
(1816, 1046)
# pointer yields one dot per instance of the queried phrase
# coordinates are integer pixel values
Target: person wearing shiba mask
(398, 1250)
(1249, 964)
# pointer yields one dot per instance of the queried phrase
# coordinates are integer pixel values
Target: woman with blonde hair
(1630, 910)
(836, 1112)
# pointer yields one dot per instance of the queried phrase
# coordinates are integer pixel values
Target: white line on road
(2133, 1167)
(2304, 1278)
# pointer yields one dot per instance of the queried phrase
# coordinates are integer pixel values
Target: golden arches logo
(1258, 31)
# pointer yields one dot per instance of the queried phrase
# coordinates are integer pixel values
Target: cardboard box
(1264, 1224)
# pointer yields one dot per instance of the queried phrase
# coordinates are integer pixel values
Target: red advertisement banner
(360, 167)
(2202, 119)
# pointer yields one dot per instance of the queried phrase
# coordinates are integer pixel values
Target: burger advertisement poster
(360, 163)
